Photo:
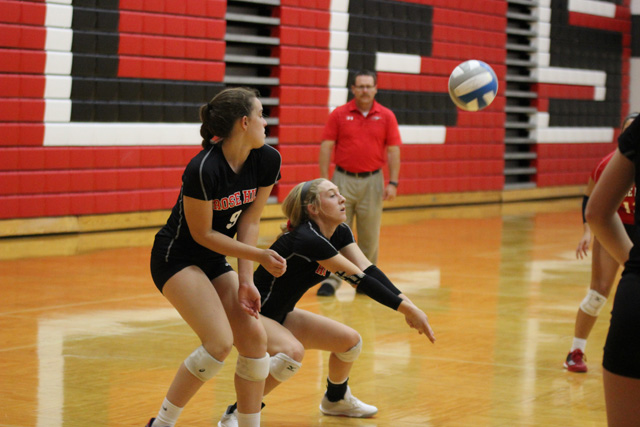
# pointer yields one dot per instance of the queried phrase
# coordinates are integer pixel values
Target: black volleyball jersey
(302, 248)
(208, 176)
(629, 146)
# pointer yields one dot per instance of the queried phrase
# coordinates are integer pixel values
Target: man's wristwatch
(394, 183)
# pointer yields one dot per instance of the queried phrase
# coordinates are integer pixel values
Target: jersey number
(234, 219)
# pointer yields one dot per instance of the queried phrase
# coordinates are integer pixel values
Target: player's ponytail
(205, 131)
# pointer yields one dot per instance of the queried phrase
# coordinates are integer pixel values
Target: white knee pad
(202, 365)
(352, 354)
(283, 367)
(253, 369)
(592, 303)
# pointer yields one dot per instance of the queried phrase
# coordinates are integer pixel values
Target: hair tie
(289, 227)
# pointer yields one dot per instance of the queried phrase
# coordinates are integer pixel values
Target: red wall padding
(184, 41)
(564, 164)
(54, 181)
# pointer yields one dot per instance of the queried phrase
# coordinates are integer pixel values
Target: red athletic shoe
(575, 361)
(150, 423)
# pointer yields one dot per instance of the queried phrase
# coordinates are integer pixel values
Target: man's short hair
(366, 73)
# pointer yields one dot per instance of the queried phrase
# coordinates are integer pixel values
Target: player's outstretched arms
(375, 284)
(417, 319)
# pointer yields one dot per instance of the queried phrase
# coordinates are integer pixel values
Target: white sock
(579, 343)
(168, 415)
(248, 420)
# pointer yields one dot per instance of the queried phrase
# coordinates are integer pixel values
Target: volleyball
(473, 85)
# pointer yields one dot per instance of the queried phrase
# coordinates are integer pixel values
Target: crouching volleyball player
(315, 243)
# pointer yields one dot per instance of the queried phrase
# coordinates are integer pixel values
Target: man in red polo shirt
(365, 136)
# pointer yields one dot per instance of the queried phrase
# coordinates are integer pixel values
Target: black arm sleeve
(373, 289)
(377, 274)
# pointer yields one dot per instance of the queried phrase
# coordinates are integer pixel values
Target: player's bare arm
(347, 270)
(601, 213)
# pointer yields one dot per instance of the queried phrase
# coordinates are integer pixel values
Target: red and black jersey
(302, 248)
(627, 208)
(209, 177)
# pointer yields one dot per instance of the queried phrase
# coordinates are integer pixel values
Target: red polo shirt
(361, 142)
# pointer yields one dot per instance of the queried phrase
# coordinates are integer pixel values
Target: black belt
(357, 174)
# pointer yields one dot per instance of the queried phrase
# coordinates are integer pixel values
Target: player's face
(332, 205)
(364, 90)
(257, 124)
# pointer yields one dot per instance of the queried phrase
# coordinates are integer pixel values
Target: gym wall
(99, 98)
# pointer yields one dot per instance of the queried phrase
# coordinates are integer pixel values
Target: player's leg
(344, 343)
(286, 353)
(622, 395)
(286, 359)
(621, 370)
(193, 296)
(250, 339)
(603, 273)
(318, 332)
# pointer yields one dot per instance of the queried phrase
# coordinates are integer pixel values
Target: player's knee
(353, 352)
(592, 303)
(203, 365)
(293, 349)
(253, 369)
(602, 287)
(252, 340)
(352, 338)
(282, 367)
(219, 348)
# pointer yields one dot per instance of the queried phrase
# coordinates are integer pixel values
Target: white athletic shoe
(230, 417)
(349, 406)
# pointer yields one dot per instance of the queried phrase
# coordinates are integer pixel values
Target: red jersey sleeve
(393, 132)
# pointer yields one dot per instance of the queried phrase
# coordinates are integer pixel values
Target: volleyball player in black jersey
(224, 189)
(621, 359)
(318, 242)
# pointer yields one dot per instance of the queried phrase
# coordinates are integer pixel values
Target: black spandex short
(622, 348)
(630, 229)
(280, 317)
(162, 271)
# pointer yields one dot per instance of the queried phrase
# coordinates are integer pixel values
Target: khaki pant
(364, 204)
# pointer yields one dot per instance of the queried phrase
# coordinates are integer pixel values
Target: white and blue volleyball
(473, 85)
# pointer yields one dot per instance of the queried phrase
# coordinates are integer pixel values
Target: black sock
(231, 408)
(336, 392)
(234, 407)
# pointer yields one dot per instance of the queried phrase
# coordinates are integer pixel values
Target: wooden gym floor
(87, 340)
